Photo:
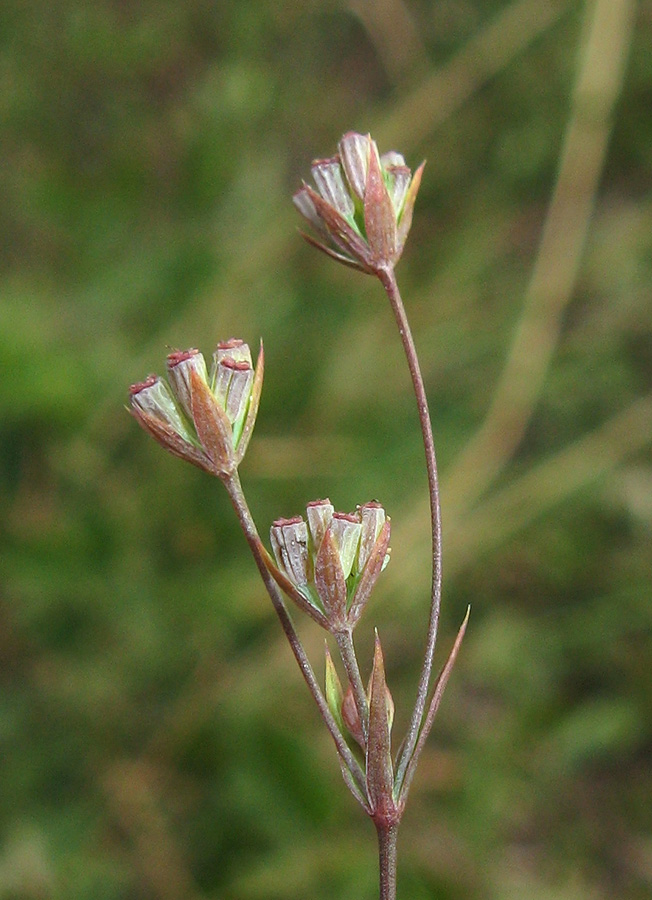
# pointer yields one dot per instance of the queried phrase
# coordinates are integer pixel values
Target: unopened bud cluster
(362, 208)
(205, 417)
(329, 562)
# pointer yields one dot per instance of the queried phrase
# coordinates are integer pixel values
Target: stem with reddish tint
(236, 494)
(344, 641)
(388, 281)
(387, 835)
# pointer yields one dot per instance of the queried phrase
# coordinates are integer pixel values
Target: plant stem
(387, 835)
(344, 641)
(388, 281)
(236, 494)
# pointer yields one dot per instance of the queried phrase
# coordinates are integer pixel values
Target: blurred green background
(156, 739)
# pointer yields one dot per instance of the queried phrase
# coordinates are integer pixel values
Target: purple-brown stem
(387, 835)
(344, 641)
(388, 281)
(236, 494)
(435, 700)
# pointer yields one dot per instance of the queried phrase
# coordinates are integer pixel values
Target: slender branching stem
(388, 281)
(236, 494)
(435, 700)
(345, 645)
(387, 835)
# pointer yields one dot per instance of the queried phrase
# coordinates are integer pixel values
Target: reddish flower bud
(333, 560)
(362, 208)
(207, 421)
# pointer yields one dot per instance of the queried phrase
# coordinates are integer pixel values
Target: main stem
(387, 835)
(236, 494)
(388, 281)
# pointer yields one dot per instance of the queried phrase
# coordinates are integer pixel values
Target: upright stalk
(388, 281)
(344, 641)
(387, 835)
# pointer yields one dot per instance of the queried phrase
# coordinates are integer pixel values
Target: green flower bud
(319, 514)
(373, 517)
(346, 529)
(289, 539)
(180, 365)
(153, 397)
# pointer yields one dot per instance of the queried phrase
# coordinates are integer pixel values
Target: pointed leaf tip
(254, 402)
(330, 581)
(379, 213)
(435, 701)
(213, 427)
(372, 569)
(380, 772)
(334, 694)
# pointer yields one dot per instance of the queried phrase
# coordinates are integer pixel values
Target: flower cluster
(362, 208)
(329, 562)
(203, 417)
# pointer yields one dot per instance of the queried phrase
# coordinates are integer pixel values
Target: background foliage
(156, 740)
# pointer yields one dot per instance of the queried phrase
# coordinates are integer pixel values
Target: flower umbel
(203, 417)
(362, 208)
(329, 564)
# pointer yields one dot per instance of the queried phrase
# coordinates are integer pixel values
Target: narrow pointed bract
(373, 566)
(330, 581)
(362, 206)
(249, 420)
(212, 425)
(379, 214)
(409, 766)
(405, 214)
(334, 694)
(380, 772)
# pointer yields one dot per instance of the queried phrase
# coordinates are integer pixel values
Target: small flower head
(204, 418)
(362, 206)
(329, 562)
